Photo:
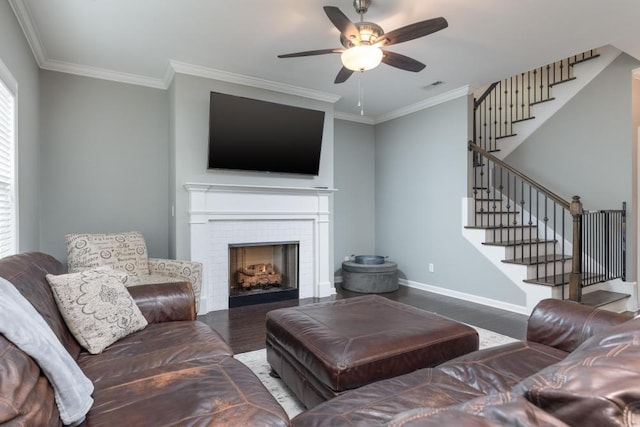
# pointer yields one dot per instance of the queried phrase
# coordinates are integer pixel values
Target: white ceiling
(137, 40)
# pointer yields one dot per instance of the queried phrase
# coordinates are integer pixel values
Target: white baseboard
(467, 297)
(460, 295)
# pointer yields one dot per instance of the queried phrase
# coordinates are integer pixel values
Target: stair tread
(538, 259)
(519, 242)
(506, 136)
(523, 120)
(562, 81)
(600, 298)
(580, 61)
(540, 102)
(498, 227)
(547, 281)
(559, 279)
(497, 212)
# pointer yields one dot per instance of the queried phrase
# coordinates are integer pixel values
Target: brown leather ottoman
(322, 350)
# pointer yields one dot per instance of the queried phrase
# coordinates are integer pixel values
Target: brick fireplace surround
(220, 215)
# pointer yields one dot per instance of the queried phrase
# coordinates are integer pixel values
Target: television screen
(253, 135)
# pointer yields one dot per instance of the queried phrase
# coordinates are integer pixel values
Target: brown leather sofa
(579, 366)
(176, 371)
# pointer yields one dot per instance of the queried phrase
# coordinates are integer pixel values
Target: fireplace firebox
(263, 272)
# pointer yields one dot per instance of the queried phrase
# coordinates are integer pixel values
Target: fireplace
(263, 272)
(225, 214)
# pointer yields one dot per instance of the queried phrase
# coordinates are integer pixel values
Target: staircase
(544, 244)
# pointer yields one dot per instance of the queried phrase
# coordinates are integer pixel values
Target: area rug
(257, 362)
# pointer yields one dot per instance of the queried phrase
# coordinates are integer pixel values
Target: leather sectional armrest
(165, 302)
(566, 324)
(190, 271)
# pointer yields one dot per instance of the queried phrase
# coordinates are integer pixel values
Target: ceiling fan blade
(412, 31)
(402, 62)
(312, 53)
(343, 75)
(342, 23)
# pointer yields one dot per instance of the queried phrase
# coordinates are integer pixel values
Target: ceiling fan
(364, 42)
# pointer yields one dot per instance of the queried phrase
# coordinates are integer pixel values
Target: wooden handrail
(559, 200)
(484, 95)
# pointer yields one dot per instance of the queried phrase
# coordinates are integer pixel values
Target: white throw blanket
(21, 324)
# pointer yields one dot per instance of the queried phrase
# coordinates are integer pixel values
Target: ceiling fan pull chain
(360, 90)
(360, 101)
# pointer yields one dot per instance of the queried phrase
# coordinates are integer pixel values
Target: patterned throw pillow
(123, 251)
(96, 306)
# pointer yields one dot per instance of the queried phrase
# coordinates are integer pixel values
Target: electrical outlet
(430, 267)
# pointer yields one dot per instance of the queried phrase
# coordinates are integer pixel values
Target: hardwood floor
(244, 327)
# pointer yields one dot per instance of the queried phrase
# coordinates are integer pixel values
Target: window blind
(8, 225)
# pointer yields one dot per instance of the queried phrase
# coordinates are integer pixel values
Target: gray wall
(172, 170)
(421, 179)
(190, 107)
(16, 55)
(634, 243)
(354, 212)
(586, 148)
(105, 148)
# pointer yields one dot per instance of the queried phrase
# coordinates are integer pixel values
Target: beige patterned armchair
(128, 252)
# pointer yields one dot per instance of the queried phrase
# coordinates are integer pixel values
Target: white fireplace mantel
(223, 214)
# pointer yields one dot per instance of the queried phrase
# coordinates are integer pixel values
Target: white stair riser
(527, 251)
(547, 269)
(493, 220)
(509, 234)
(493, 205)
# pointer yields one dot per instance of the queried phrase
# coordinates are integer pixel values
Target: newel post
(575, 278)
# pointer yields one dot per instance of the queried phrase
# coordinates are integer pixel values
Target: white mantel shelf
(194, 186)
(223, 214)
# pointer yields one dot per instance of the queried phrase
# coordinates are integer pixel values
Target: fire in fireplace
(258, 275)
(262, 272)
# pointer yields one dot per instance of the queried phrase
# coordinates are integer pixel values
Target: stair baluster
(537, 226)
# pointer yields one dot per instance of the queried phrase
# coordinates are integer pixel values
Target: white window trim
(7, 79)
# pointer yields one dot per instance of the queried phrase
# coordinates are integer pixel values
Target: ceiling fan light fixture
(362, 58)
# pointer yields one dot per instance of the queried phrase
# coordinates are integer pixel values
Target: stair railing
(509, 101)
(544, 230)
(604, 245)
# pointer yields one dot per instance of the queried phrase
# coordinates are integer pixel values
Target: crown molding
(354, 118)
(25, 20)
(23, 14)
(211, 73)
(104, 74)
(427, 103)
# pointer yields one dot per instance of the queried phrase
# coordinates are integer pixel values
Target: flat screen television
(252, 135)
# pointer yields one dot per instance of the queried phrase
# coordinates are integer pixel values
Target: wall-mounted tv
(252, 135)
